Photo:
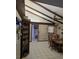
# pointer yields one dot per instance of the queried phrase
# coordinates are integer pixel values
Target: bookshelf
(25, 28)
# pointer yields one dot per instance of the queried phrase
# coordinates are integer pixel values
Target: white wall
(60, 29)
(50, 29)
(57, 29)
(43, 32)
(17, 40)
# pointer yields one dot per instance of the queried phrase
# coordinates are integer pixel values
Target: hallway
(41, 50)
(48, 22)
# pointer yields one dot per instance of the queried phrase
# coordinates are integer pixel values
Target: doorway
(39, 32)
(35, 28)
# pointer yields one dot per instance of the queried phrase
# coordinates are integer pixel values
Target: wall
(43, 32)
(17, 40)
(50, 29)
(17, 15)
(60, 30)
(57, 29)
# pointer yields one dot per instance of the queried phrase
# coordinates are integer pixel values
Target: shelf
(25, 37)
(25, 43)
(25, 32)
(24, 26)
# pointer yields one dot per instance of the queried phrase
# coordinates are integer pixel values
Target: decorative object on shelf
(18, 28)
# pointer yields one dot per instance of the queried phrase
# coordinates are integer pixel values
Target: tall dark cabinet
(25, 30)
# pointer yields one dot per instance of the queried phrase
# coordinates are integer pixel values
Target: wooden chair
(55, 37)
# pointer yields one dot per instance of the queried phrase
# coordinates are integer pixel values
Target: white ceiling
(35, 18)
(35, 6)
(57, 10)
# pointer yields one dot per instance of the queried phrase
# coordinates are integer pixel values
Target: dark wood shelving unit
(25, 30)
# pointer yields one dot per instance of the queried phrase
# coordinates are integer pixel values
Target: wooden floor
(41, 50)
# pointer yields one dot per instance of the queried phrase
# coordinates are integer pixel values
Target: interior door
(25, 30)
(43, 32)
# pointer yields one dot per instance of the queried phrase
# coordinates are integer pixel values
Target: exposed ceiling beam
(47, 9)
(42, 23)
(20, 6)
(40, 16)
(43, 14)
